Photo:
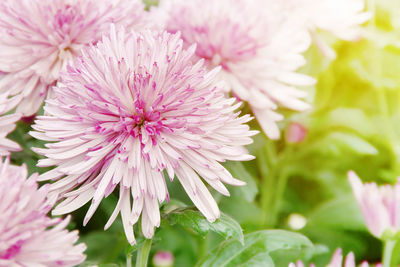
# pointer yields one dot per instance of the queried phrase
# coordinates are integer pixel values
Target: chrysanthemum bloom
(341, 18)
(28, 237)
(129, 110)
(380, 205)
(259, 51)
(337, 261)
(39, 37)
(7, 124)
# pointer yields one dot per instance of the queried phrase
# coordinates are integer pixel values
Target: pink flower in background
(39, 37)
(258, 49)
(163, 259)
(129, 109)
(28, 237)
(295, 133)
(380, 205)
(342, 18)
(337, 261)
(7, 125)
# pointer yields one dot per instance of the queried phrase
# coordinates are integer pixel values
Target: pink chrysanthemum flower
(28, 237)
(129, 109)
(342, 18)
(7, 124)
(337, 261)
(379, 205)
(39, 37)
(259, 51)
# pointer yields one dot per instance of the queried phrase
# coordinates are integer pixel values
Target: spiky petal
(337, 261)
(380, 205)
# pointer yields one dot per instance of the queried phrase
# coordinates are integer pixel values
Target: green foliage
(256, 250)
(195, 221)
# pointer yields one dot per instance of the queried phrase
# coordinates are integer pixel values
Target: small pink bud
(295, 133)
(163, 259)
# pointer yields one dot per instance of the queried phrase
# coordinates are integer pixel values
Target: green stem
(129, 259)
(388, 252)
(143, 254)
(267, 160)
(275, 174)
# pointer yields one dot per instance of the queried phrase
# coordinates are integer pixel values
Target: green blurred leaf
(348, 118)
(194, 220)
(337, 143)
(342, 213)
(238, 170)
(256, 249)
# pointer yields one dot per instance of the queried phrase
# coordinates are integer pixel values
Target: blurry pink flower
(28, 237)
(39, 37)
(7, 125)
(163, 259)
(342, 18)
(337, 261)
(295, 133)
(129, 109)
(379, 205)
(259, 51)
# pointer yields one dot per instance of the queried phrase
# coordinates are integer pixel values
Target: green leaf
(340, 213)
(256, 249)
(194, 220)
(337, 143)
(349, 118)
(238, 170)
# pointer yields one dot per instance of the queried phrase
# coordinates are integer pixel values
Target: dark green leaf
(194, 220)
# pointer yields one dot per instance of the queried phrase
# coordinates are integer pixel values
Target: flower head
(28, 237)
(134, 106)
(39, 37)
(380, 205)
(259, 51)
(337, 261)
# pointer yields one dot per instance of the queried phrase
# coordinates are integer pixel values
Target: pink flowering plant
(199, 133)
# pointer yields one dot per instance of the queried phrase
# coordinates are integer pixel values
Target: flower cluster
(137, 98)
(28, 237)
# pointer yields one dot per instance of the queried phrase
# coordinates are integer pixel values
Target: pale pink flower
(380, 205)
(129, 109)
(28, 237)
(342, 18)
(7, 125)
(337, 261)
(259, 51)
(38, 38)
